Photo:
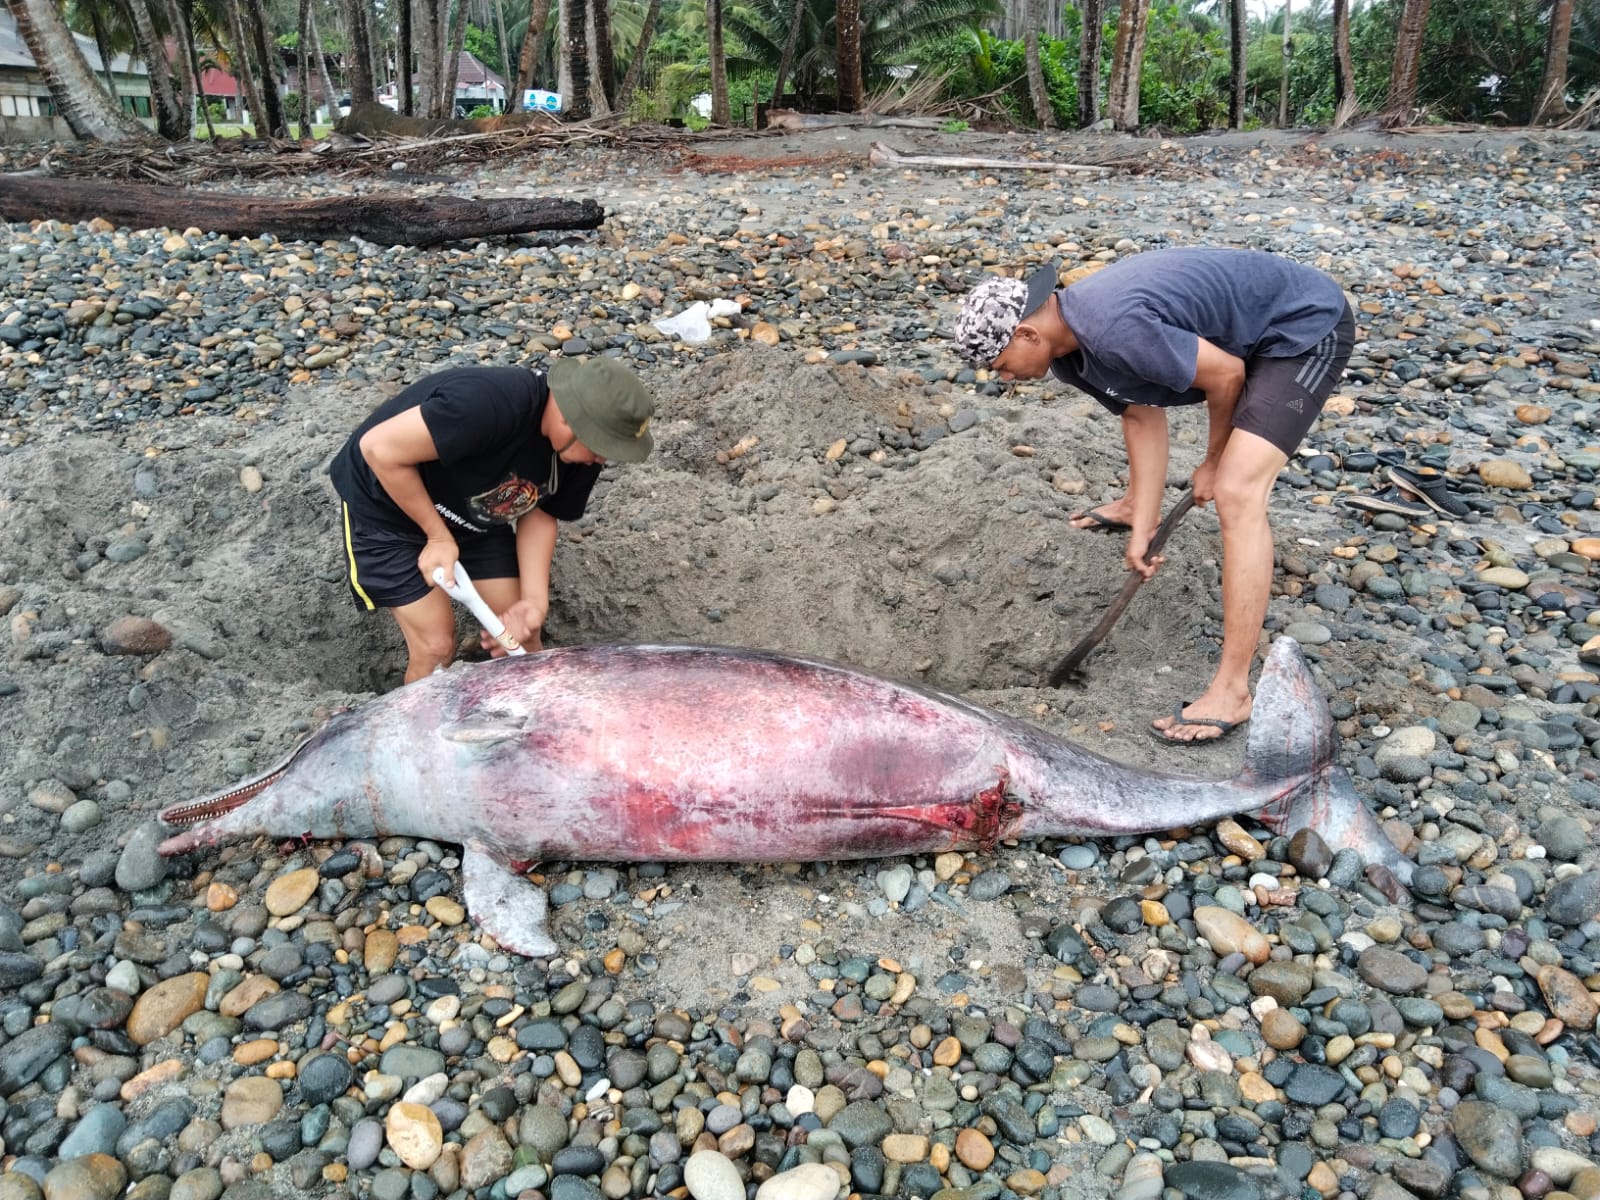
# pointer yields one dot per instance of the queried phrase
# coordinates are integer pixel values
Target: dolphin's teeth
(215, 806)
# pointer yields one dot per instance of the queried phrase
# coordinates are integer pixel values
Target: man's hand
(1138, 556)
(1204, 483)
(523, 620)
(439, 552)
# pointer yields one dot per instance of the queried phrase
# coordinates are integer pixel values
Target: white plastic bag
(693, 324)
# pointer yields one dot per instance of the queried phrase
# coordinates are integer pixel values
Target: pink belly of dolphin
(684, 762)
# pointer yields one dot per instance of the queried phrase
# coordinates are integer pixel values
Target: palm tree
(1552, 101)
(174, 104)
(358, 61)
(92, 115)
(847, 29)
(892, 31)
(1238, 54)
(605, 67)
(1407, 57)
(719, 64)
(1089, 47)
(533, 34)
(1344, 76)
(1127, 61)
(1038, 94)
(641, 51)
(575, 58)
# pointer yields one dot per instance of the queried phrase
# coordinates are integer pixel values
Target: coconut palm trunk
(244, 71)
(1344, 74)
(328, 93)
(1552, 101)
(602, 59)
(787, 59)
(1407, 59)
(1094, 15)
(1127, 63)
(1038, 93)
(358, 52)
(404, 71)
(78, 96)
(1283, 84)
(1238, 49)
(273, 101)
(103, 47)
(719, 64)
(452, 62)
(303, 45)
(527, 56)
(174, 101)
(647, 33)
(179, 20)
(575, 44)
(505, 47)
(847, 31)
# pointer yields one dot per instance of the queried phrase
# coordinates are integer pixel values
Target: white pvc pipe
(468, 595)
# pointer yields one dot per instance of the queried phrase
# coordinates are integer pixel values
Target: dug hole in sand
(854, 514)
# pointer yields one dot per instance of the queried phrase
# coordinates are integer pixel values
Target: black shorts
(381, 564)
(1282, 397)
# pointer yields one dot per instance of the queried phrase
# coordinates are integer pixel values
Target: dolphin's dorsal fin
(508, 907)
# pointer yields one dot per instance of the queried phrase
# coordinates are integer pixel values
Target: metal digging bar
(1068, 669)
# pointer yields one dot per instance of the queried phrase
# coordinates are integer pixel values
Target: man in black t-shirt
(1260, 340)
(476, 465)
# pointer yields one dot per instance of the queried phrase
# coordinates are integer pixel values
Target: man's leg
(429, 626)
(1245, 476)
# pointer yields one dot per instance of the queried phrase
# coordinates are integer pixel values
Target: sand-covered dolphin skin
(696, 753)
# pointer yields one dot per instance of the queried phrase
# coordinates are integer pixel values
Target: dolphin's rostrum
(695, 753)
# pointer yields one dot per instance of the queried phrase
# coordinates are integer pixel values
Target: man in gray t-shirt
(1260, 340)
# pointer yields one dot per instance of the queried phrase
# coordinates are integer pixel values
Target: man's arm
(1220, 376)
(536, 547)
(395, 449)
(1144, 429)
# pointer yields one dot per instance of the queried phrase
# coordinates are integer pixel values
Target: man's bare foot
(1206, 719)
(1111, 517)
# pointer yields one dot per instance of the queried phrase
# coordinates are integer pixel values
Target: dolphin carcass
(694, 753)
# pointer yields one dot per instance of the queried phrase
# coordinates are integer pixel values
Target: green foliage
(1184, 84)
(291, 106)
(954, 126)
(217, 110)
(894, 33)
(485, 47)
(482, 110)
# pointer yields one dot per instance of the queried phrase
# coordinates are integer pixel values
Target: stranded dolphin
(695, 753)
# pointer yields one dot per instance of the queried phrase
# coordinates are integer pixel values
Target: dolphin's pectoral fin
(480, 732)
(505, 905)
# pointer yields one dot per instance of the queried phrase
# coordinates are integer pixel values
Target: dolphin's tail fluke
(1293, 743)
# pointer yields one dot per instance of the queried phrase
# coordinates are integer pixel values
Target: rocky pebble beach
(1211, 1014)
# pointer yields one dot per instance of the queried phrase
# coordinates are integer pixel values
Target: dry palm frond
(1586, 115)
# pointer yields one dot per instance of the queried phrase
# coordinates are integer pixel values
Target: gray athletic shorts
(1282, 396)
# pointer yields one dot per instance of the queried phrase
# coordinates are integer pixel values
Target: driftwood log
(882, 155)
(384, 219)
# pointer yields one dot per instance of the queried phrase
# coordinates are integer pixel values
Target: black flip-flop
(1101, 524)
(1178, 719)
(1390, 500)
(1430, 487)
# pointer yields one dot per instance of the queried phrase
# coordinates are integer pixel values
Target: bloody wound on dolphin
(694, 753)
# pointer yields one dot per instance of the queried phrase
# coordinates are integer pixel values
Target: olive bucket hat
(606, 406)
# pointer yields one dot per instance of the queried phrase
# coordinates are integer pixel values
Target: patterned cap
(992, 311)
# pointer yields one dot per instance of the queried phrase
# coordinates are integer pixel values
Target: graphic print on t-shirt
(506, 501)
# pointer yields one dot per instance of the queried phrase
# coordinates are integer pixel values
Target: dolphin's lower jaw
(193, 812)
